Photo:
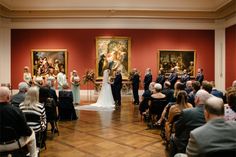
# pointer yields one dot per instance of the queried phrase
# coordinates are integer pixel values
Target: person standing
(200, 76)
(117, 85)
(27, 76)
(61, 79)
(75, 86)
(185, 77)
(147, 79)
(135, 86)
(161, 77)
(173, 77)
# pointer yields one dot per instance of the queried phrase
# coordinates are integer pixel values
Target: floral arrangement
(89, 77)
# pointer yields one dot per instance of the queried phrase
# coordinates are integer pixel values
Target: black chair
(156, 108)
(221, 153)
(66, 107)
(41, 134)
(51, 114)
(12, 138)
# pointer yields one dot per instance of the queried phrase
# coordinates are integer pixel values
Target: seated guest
(144, 106)
(189, 120)
(207, 86)
(189, 87)
(230, 108)
(216, 134)
(66, 107)
(216, 92)
(13, 117)
(31, 105)
(157, 101)
(168, 92)
(20, 96)
(191, 97)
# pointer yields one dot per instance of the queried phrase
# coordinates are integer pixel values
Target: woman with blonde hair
(31, 105)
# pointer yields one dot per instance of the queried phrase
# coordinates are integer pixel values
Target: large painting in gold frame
(178, 59)
(43, 59)
(114, 53)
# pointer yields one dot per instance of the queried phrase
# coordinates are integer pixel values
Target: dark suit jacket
(200, 77)
(17, 99)
(147, 81)
(135, 81)
(160, 79)
(173, 79)
(184, 78)
(189, 120)
(217, 93)
(118, 82)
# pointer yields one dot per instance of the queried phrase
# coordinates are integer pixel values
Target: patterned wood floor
(120, 133)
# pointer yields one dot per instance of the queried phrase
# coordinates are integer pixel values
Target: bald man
(11, 116)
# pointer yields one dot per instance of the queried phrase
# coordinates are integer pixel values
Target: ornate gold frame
(183, 56)
(51, 54)
(109, 46)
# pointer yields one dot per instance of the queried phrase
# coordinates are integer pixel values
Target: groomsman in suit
(185, 77)
(147, 79)
(135, 86)
(200, 76)
(161, 77)
(173, 78)
(117, 85)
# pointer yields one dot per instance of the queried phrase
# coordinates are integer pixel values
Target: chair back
(11, 135)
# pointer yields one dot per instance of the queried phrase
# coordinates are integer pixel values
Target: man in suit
(20, 96)
(200, 76)
(189, 120)
(161, 77)
(135, 86)
(117, 86)
(185, 77)
(147, 79)
(216, 134)
(173, 77)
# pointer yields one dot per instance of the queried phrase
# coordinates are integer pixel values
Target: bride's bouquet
(76, 81)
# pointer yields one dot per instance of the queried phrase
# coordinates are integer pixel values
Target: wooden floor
(120, 133)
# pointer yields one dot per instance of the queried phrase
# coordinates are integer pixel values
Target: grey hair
(32, 97)
(22, 86)
(4, 94)
(203, 96)
(215, 106)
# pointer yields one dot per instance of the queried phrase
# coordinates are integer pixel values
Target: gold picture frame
(43, 59)
(113, 52)
(178, 59)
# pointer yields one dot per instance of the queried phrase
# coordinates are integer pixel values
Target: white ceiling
(167, 5)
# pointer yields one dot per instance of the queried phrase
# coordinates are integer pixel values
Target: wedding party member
(200, 76)
(147, 78)
(38, 79)
(185, 77)
(13, 117)
(27, 75)
(50, 78)
(75, 86)
(161, 77)
(105, 101)
(173, 77)
(61, 79)
(135, 86)
(117, 86)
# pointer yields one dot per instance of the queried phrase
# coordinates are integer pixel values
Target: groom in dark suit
(117, 85)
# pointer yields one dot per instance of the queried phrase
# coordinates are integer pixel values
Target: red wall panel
(230, 55)
(81, 47)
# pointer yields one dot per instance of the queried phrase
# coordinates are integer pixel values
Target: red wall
(80, 44)
(230, 55)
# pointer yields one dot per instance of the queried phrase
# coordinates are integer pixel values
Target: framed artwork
(178, 59)
(113, 53)
(45, 59)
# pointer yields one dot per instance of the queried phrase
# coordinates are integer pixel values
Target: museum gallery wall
(81, 47)
(230, 55)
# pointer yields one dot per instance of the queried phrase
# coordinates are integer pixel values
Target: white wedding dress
(105, 101)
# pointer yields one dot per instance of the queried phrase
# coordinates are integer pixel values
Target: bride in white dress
(105, 101)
